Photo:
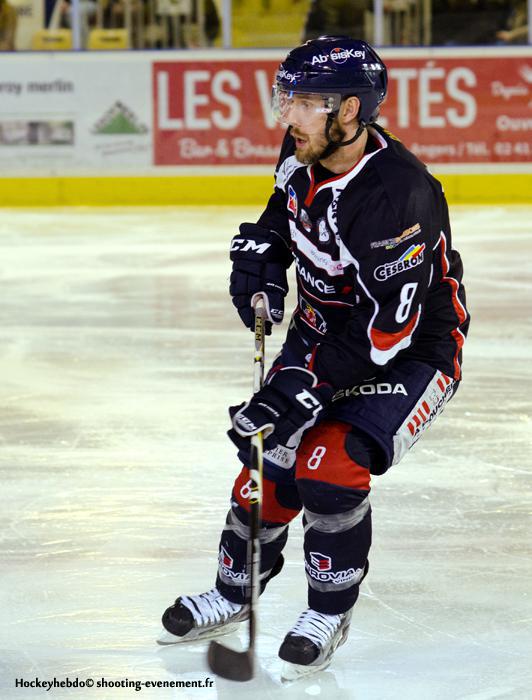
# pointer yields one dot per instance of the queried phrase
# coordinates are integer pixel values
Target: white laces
(316, 626)
(210, 607)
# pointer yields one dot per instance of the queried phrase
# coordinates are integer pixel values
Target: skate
(311, 643)
(202, 616)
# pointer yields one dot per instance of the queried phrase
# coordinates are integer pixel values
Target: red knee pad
(272, 510)
(322, 456)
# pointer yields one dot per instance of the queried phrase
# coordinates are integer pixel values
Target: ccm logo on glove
(260, 260)
(243, 245)
(287, 404)
(309, 401)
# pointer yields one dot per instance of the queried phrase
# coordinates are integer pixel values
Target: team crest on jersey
(292, 201)
(323, 231)
(409, 259)
(305, 220)
(312, 316)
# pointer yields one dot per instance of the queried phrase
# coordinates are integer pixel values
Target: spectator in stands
(184, 30)
(336, 17)
(155, 23)
(466, 22)
(8, 26)
(87, 10)
(516, 25)
(211, 25)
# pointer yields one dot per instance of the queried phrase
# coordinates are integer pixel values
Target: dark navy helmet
(336, 67)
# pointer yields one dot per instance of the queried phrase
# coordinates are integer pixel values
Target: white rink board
(53, 107)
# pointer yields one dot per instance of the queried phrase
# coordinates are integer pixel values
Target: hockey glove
(260, 259)
(288, 403)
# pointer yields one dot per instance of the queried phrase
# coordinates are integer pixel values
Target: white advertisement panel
(172, 112)
(75, 114)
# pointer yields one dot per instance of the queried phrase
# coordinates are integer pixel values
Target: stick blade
(230, 664)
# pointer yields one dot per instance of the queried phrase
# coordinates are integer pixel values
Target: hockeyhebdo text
(430, 97)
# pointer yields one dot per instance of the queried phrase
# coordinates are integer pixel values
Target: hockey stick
(225, 662)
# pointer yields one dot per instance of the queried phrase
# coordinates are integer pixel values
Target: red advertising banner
(214, 113)
(451, 109)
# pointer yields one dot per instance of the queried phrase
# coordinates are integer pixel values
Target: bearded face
(312, 146)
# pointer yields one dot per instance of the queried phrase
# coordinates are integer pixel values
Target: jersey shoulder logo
(390, 243)
(292, 201)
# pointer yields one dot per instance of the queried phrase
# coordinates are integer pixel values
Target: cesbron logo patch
(410, 258)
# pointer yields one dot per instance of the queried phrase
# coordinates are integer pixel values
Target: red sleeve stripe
(384, 341)
(461, 313)
(310, 365)
(459, 339)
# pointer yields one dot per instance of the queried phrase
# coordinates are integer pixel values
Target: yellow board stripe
(225, 189)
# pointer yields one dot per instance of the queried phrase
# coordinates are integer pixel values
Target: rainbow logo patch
(413, 252)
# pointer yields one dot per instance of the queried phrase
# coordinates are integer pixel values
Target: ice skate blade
(293, 672)
(166, 638)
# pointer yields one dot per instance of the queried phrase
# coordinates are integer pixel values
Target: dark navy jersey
(377, 276)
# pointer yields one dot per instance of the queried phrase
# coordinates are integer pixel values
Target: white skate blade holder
(293, 672)
(167, 638)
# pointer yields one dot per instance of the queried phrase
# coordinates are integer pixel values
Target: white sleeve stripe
(377, 356)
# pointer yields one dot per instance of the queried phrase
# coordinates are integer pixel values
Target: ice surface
(120, 352)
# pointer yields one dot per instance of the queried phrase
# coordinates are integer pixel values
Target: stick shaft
(255, 474)
(225, 662)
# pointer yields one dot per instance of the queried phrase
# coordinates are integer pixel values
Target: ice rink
(120, 352)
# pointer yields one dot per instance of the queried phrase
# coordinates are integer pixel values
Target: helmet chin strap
(333, 146)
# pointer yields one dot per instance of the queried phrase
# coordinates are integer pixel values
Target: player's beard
(311, 154)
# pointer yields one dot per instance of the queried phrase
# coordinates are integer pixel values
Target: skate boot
(311, 643)
(202, 616)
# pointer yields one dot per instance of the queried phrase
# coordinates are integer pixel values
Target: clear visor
(301, 108)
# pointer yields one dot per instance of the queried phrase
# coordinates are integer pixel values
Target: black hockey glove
(290, 401)
(260, 259)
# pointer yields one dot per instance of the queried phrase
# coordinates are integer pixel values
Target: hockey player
(372, 353)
